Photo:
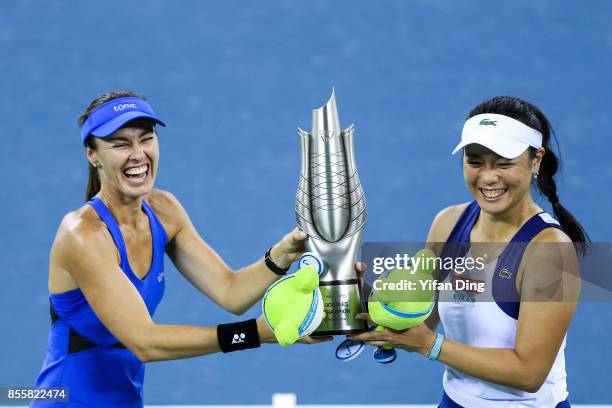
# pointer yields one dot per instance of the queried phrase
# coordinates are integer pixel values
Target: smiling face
(497, 183)
(127, 160)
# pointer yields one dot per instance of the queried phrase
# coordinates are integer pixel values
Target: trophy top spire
(325, 120)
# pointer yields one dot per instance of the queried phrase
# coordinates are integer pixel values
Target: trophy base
(338, 332)
(341, 300)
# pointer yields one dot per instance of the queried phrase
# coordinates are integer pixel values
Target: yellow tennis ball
(293, 306)
(404, 298)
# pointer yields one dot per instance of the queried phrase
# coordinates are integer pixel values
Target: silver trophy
(330, 207)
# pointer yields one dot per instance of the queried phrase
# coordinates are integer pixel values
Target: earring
(535, 175)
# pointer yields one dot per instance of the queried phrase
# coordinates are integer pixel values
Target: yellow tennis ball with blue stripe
(405, 297)
(293, 306)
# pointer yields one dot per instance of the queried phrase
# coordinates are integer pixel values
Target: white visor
(505, 136)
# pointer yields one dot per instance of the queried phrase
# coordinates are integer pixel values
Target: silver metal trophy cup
(330, 207)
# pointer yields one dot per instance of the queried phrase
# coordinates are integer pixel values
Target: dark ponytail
(93, 179)
(531, 116)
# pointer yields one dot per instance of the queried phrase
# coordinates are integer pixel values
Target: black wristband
(238, 336)
(272, 266)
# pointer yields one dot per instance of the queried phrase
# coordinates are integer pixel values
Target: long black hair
(93, 180)
(531, 116)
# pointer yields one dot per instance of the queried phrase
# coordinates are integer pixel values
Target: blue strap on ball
(385, 355)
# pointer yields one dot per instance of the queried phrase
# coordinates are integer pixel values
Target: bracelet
(434, 352)
(274, 267)
(238, 336)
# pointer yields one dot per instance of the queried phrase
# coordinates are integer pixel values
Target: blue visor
(109, 117)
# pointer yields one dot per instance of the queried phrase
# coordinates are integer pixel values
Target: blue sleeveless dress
(82, 354)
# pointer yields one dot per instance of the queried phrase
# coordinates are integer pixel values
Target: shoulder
(551, 246)
(81, 224)
(162, 201)
(551, 234)
(80, 231)
(168, 209)
(444, 222)
(550, 268)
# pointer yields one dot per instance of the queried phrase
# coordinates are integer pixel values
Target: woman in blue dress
(106, 274)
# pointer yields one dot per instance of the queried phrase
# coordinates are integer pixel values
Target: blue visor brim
(115, 124)
(112, 115)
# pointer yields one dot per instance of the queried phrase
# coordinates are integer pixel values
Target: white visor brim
(507, 148)
(504, 135)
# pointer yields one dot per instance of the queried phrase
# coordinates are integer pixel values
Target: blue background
(233, 80)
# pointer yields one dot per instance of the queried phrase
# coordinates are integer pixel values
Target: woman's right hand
(266, 335)
(315, 340)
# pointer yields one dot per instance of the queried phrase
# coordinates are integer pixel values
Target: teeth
(493, 193)
(137, 170)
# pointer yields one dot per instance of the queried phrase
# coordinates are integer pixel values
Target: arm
(118, 304)
(204, 268)
(542, 325)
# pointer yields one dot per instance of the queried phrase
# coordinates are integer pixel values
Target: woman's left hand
(419, 338)
(289, 249)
